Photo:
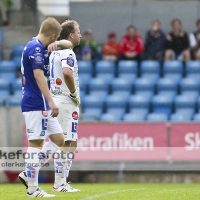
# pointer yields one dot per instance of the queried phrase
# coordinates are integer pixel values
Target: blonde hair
(50, 26)
(67, 28)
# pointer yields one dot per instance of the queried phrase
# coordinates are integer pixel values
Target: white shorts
(68, 118)
(40, 124)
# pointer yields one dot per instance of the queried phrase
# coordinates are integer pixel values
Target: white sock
(60, 166)
(32, 168)
(66, 171)
(50, 148)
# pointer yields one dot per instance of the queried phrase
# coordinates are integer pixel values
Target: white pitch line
(109, 193)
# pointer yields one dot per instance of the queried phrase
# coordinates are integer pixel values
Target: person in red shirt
(111, 48)
(131, 45)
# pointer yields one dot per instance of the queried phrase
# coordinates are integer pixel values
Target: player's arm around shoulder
(63, 44)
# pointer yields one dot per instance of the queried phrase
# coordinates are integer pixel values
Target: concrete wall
(116, 15)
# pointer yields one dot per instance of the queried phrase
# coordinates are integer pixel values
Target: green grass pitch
(112, 192)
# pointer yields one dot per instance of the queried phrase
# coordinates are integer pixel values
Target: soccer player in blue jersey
(37, 105)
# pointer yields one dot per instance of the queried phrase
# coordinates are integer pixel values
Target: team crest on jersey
(37, 49)
(58, 81)
(75, 115)
(70, 61)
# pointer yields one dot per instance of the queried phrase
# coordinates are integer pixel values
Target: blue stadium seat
(162, 104)
(167, 86)
(116, 105)
(134, 117)
(17, 61)
(17, 50)
(181, 117)
(121, 87)
(15, 101)
(7, 66)
(7, 70)
(85, 71)
(193, 69)
(139, 104)
(105, 70)
(150, 70)
(185, 104)
(92, 107)
(173, 69)
(128, 69)
(82, 94)
(99, 88)
(4, 84)
(17, 84)
(108, 117)
(83, 86)
(190, 86)
(157, 117)
(4, 93)
(196, 117)
(145, 87)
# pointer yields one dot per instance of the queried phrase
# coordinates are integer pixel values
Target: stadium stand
(126, 92)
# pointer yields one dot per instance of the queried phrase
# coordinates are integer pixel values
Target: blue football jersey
(34, 56)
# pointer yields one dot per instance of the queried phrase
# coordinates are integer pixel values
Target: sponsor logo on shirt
(30, 131)
(38, 59)
(58, 81)
(75, 115)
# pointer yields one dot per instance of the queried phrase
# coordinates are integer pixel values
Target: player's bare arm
(69, 81)
(64, 44)
(42, 84)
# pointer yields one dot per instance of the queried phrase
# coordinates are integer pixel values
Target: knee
(59, 140)
(197, 55)
(168, 54)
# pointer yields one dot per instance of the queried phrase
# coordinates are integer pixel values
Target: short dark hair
(156, 21)
(67, 28)
(176, 20)
(131, 26)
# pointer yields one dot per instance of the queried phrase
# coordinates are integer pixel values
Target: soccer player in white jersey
(38, 106)
(65, 91)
